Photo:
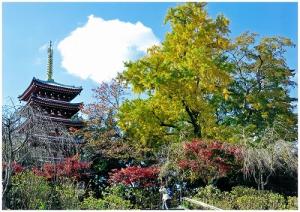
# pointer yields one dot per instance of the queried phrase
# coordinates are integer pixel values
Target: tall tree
(178, 79)
(102, 135)
(259, 94)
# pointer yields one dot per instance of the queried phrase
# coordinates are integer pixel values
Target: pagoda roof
(49, 85)
(52, 82)
(54, 103)
(67, 122)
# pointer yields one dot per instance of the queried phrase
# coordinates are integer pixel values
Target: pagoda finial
(50, 62)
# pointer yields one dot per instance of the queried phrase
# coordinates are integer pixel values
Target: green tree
(259, 94)
(68, 195)
(29, 192)
(112, 200)
(179, 79)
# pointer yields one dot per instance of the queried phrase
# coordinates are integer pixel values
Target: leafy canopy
(179, 78)
(259, 93)
(199, 83)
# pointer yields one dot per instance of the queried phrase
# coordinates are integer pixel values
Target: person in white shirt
(165, 197)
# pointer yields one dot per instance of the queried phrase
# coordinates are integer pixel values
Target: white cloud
(98, 49)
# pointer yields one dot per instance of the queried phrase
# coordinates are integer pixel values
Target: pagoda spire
(50, 62)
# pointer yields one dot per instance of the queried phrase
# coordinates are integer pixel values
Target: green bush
(243, 198)
(29, 191)
(213, 196)
(209, 194)
(112, 200)
(250, 198)
(226, 202)
(292, 203)
(251, 202)
(124, 197)
(140, 198)
(92, 203)
(144, 198)
(239, 191)
(116, 202)
(275, 201)
(68, 195)
(189, 205)
(262, 201)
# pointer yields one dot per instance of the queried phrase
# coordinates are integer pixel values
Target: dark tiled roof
(67, 122)
(55, 103)
(52, 82)
(49, 85)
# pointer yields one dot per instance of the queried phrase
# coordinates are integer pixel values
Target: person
(166, 198)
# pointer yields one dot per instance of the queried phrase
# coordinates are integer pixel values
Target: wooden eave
(67, 122)
(54, 103)
(36, 85)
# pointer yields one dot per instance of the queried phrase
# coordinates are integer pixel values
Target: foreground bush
(29, 191)
(243, 198)
(111, 200)
(292, 203)
(138, 184)
(68, 196)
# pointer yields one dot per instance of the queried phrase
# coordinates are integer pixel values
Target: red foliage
(70, 167)
(135, 176)
(16, 168)
(210, 158)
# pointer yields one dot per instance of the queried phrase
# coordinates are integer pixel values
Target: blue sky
(27, 27)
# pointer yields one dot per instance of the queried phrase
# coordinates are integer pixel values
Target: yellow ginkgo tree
(179, 79)
(200, 83)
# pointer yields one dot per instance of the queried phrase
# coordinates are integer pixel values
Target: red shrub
(135, 176)
(210, 159)
(70, 167)
(16, 168)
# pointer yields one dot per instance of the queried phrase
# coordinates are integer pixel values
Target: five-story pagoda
(53, 99)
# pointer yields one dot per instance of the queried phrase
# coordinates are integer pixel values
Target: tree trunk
(197, 130)
(261, 182)
(193, 117)
(6, 183)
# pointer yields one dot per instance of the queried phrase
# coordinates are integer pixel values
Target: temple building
(55, 116)
(52, 98)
